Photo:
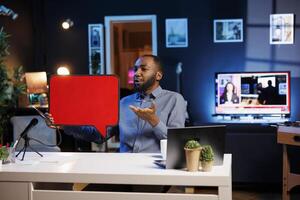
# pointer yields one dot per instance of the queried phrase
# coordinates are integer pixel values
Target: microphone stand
(26, 139)
(188, 120)
(178, 73)
(27, 144)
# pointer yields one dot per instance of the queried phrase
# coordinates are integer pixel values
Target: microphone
(31, 124)
(8, 12)
(179, 68)
(178, 72)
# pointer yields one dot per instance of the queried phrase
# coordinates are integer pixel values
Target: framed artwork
(282, 29)
(228, 30)
(176, 33)
(96, 49)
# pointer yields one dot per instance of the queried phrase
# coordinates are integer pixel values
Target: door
(128, 37)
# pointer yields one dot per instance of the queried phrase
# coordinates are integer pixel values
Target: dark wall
(49, 46)
(21, 34)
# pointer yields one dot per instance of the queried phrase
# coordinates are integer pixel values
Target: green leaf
(206, 153)
(192, 144)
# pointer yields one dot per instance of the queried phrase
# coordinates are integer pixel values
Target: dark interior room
(201, 55)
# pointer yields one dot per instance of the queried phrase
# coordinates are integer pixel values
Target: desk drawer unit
(288, 135)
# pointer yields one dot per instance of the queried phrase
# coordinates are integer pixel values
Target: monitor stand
(235, 117)
(257, 117)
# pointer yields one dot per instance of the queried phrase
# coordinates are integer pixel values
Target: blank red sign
(85, 100)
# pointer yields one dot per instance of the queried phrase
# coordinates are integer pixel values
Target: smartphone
(45, 117)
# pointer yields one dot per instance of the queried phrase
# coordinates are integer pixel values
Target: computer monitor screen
(264, 93)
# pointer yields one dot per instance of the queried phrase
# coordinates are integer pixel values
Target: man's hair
(157, 61)
(269, 82)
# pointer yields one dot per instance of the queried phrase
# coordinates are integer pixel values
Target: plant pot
(207, 165)
(192, 159)
(1, 163)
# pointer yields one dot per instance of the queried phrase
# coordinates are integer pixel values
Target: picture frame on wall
(176, 33)
(96, 48)
(282, 28)
(228, 30)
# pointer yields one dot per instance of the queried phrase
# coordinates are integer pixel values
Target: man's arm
(176, 117)
(90, 133)
(147, 114)
(86, 133)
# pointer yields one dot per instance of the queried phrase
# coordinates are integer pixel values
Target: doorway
(128, 37)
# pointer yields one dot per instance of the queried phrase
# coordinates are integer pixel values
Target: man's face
(145, 74)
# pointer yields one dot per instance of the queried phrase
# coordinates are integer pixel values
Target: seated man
(144, 115)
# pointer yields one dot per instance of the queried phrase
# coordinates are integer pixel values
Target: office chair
(40, 132)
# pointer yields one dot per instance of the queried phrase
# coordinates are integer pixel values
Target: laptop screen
(206, 135)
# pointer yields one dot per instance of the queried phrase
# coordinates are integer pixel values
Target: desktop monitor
(206, 135)
(257, 93)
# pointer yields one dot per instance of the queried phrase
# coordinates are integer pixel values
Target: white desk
(18, 181)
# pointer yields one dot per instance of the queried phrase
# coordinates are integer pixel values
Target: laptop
(206, 135)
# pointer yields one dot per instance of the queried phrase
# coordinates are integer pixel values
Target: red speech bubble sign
(85, 100)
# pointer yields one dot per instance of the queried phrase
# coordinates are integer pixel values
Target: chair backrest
(39, 132)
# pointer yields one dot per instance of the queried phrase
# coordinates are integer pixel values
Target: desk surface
(289, 129)
(110, 168)
(288, 135)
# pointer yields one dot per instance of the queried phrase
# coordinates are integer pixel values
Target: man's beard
(145, 86)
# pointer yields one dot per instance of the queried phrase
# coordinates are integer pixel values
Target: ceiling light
(63, 71)
(8, 12)
(67, 24)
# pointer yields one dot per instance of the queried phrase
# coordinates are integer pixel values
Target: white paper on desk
(49, 161)
(27, 162)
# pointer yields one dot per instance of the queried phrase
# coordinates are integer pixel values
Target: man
(144, 115)
(270, 94)
(143, 124)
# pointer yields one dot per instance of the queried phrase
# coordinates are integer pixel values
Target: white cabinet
(15, 190)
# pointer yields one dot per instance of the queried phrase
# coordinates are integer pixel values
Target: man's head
(269, 83)
(148, 73)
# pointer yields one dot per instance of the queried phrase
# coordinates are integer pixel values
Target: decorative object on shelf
(37, 88)
(282, 29)
(207, 158)
(228, 30)
(176, 33)
(96, 53)
(11, 86)
(192, 153)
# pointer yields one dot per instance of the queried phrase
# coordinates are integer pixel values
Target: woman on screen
(229, 95)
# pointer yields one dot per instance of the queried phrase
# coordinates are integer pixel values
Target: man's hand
(147, 114)
(50, 121)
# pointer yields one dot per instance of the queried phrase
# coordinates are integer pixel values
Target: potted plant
(11, 86)
(95, 63)
(192, 153)
(3, 153)
(207, 158)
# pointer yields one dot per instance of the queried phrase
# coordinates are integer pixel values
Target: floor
(252, 194)
(248, 192)
(261, 192)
